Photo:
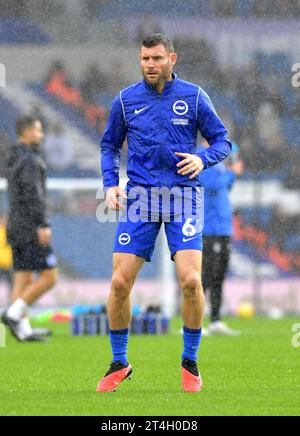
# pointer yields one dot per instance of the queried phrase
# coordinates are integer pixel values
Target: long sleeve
(214, 131)
(111, 144)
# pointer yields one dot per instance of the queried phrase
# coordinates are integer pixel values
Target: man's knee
(121, 285)
(191, 285)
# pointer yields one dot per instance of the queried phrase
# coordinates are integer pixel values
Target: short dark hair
(24, 123)
(157, 39)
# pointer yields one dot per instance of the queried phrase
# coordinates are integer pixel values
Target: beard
(158, 79)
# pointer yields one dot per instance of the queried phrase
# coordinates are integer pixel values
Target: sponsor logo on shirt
(180, 121)
(180, 107)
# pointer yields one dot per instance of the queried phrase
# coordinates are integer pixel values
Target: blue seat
(19, 31)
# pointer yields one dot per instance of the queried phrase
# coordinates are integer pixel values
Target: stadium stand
(15, 30)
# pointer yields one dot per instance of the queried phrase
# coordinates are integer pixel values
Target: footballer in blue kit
(217, 233)
(160, 116)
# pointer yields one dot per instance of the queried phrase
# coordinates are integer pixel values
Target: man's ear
(173, 57)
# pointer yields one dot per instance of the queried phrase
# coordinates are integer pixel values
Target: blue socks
(191, 343)
(119, 342)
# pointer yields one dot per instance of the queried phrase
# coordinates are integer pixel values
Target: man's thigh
(137, 238)
(185, 235)
(188, 261)
(21, 280)
(127, 265)
(185, 227)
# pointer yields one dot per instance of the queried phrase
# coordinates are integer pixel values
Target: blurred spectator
(276, 100)
(147, 27)
(58, 149)
(92, 8)
(228, 121)
(228, 78)
(4, 152)
(251, 92)
(276, 8)
(249, 153)
(296, 109)
(49, 9)
(273, 149)
(292, 179)
(94, 82)
(271, 157)
(191, 53)
(56, 71)
(59, 84)
(281, 226)
(224, 8)
(268, 122)
(13, 8)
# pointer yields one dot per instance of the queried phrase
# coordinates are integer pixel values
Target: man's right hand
(112, 198)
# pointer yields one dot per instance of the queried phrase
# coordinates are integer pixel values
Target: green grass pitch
(255, 374)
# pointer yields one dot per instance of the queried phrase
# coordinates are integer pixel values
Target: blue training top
(218, 211)
(157, 126)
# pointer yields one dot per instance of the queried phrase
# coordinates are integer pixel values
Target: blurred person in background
(271, 156)
(281, 226)
(93, 83)
(13, 8)
(92, 9)
(59, 84)
(29, 232)
(6, 260)
(252, 92)
(218, 229)
(147, 26)
(58, 149)
(292, 178)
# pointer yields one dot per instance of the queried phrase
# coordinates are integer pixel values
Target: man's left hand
(191, 164)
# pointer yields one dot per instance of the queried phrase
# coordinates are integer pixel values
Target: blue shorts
(183, 229)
